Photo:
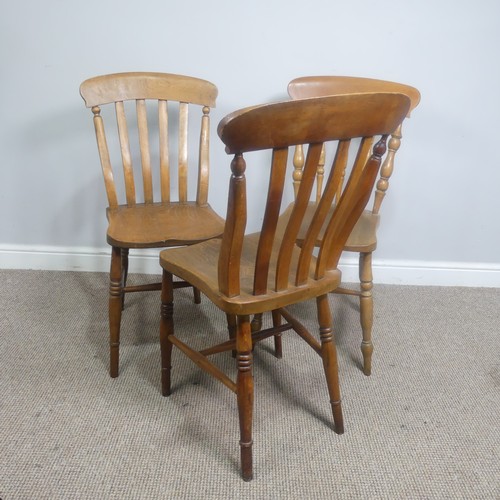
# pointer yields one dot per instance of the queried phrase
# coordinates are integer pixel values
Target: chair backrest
(320, 86)
(163, 88)
(278, 127)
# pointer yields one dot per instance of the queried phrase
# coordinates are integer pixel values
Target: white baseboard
(73, 259)
(394, 272)
(426, 273)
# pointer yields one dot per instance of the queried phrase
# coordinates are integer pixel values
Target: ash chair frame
(173, 219)
(363, 239)
(267, 271)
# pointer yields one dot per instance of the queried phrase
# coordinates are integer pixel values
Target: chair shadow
(264, 365)
(185, 374)
(136, 326)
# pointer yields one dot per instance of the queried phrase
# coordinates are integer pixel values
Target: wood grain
(268, 271)
(151, 223)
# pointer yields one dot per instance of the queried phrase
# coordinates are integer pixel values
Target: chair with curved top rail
(363, 239)
(250, 274)
(162, 216)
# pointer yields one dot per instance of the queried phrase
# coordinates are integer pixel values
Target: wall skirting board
(396, 272)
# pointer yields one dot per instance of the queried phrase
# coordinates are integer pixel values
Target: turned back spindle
(318, 86)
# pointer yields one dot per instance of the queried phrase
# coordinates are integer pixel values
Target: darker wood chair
(267, 271)
(165, 214)
(363, 239)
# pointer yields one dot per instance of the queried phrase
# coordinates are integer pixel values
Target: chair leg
(166, 329)
(124, 252)
(278, 351)
(366, 309)
(244, 392)
(197, 295)
(329, 356)
(231, 328)
(115, 310)
(256, 322)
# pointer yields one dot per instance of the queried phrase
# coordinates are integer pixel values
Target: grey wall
(442, 203)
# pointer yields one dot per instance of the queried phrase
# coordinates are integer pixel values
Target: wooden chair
(267, 271)
(155, 219)
(363, 238)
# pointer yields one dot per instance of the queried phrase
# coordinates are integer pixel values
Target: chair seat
(156, 225)
(363, 237)
(198, 264)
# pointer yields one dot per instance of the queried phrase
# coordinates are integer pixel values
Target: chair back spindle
(386, 169)
(203, 162)
(320, 173)
(142, 124)
(128, 172)
(183, 151)
(349, 208)
(295, 221)
(102, 146)
(234, 230)
(332, 190)
(298, 165)
(164, 150)
(316, 86)
(269, 225)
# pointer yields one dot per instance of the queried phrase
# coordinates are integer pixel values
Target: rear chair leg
(124, 252)
(257, 322)
(278, 351)
(329, 356)
(244, 393)
(166, 329)
(197, 295)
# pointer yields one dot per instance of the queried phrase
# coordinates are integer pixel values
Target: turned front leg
(166, 329)
(244, 386)
(366, 309)
(115, 310)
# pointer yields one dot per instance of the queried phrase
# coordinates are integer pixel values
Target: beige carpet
(424, 425)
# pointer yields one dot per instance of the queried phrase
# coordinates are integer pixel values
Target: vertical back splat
(142, 123)
(348, 210)
(164, 150)
(274, 197)
(299, 209)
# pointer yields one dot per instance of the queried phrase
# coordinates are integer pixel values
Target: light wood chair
(155, 218)
(363, 239)
(267, 271)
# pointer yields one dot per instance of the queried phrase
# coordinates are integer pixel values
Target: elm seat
(162, 213)
(267, 271)
(247, 302)
(157, 225)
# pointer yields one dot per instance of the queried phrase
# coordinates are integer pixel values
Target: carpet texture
(424, 425)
